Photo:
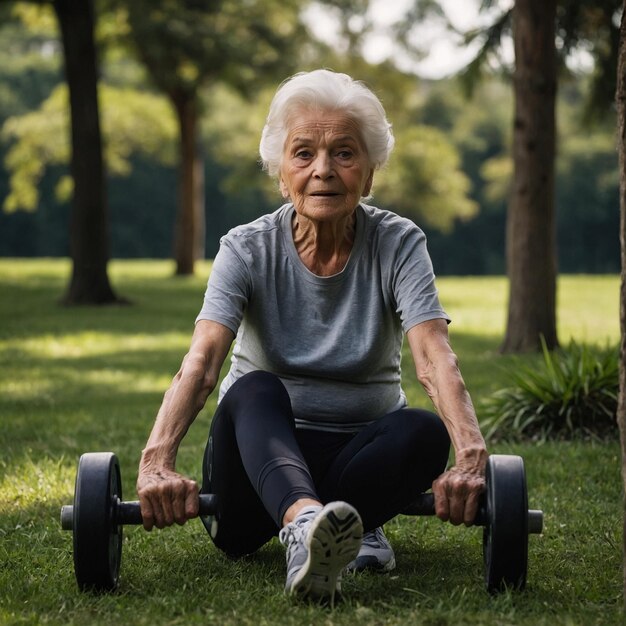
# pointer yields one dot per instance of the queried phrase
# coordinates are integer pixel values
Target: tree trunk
(530, 236)
(621, 135)
(88, 222)
(190, 230)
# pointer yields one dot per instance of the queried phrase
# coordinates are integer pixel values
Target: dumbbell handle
(130, 512)
(425, 505)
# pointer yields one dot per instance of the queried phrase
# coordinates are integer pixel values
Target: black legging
(258, 464)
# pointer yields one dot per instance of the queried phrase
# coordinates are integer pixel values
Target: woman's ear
(283, 189)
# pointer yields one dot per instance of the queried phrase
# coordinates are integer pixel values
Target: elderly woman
(312, 439)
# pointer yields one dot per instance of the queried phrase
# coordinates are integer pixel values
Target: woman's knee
(424, 431)
(257, 380)
(257, 388)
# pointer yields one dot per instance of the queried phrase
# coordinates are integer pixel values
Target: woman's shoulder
(261, 226)
(389, 226)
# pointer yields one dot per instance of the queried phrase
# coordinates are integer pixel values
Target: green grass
(80, 379)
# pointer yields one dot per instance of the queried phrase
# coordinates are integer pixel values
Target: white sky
(444, 57)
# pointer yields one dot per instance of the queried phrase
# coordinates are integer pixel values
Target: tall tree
(531, 245)
(89, 241)
(621, 128)
(530, 235)
(188, 44)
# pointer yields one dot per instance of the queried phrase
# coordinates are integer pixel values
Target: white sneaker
(320, 543)
(376, 553)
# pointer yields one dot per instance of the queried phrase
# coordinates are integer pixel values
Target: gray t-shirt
(334, 341)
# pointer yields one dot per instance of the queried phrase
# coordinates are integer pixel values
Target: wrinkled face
(325, 169)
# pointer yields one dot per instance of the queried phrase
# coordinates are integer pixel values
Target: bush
(572, 394)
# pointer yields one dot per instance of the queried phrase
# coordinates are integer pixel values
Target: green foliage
(41, 140)
(39, 18)
(186, 44)
(478, 131)
(490, 38)
(586, 181)
(589, 25)
(497, 173)
(423, 180)
(132, 121)
(587, 193)
(29, 59)
(593, 25)
(232, 138)
(572, 394)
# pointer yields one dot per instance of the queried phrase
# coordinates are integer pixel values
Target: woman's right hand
(166, 497)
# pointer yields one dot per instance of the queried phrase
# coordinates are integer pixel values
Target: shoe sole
(334, 541)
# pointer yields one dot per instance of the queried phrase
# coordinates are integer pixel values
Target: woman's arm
(166, 496)
(458, 489)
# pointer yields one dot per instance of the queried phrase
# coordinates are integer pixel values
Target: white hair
(327, 91)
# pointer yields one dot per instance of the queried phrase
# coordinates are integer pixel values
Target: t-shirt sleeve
(228, 288)
(413, 281)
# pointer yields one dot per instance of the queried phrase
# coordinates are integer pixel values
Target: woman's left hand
(457, 491)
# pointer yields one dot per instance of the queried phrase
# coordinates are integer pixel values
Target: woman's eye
(344, 154)
(303, 154)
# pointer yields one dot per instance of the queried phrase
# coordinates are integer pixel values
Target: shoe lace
(373, 538)
(293, 534)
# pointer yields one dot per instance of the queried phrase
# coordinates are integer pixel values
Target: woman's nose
(322, 166)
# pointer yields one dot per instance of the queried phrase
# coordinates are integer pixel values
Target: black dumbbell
(98, 514)
(503, 513)
(96, 519)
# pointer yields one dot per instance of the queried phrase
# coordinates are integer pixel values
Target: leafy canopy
(423, 179)
(132, 121)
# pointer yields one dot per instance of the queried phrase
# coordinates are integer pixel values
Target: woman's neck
(324, 247)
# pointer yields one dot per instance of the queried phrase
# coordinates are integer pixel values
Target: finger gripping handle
(424, 504)
(130, 512)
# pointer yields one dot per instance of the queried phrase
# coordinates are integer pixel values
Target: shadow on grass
(157, 306)
(177, 562)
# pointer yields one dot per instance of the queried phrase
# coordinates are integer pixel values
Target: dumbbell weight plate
(97, 537)
(505, 536)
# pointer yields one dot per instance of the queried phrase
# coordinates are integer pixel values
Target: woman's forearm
(187, 394)
(437, 370)
(452, 401)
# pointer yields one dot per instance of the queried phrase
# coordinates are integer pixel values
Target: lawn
(80, 379)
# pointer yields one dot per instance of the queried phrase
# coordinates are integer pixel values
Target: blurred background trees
(187, 45)
(89, 219)
(451, 173)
